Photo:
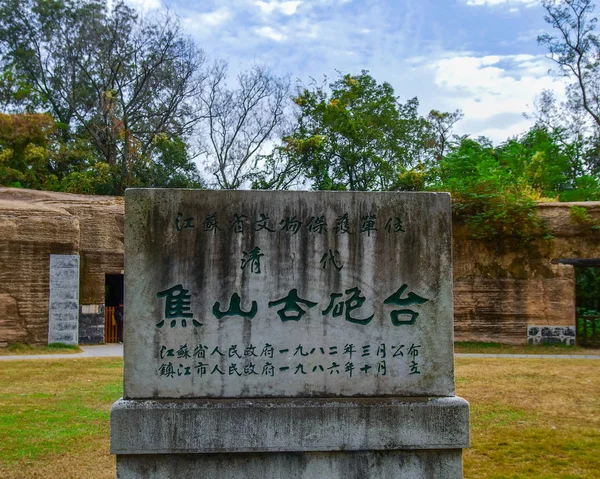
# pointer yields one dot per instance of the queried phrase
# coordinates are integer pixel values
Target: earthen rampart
(503, 290)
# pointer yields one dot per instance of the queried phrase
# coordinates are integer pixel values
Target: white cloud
(211, 19)
(310, 38)
(144, 5)
(494, 3)
(286, 8)
(270, 33)
(492, 91)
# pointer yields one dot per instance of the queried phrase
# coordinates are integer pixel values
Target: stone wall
(36, 224)
(502, 290)
(91, 324)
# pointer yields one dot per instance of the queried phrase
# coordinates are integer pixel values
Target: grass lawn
(24, 349)
(531, 418)
(497, 348)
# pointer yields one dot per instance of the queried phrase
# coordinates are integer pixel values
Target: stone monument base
(290, 438)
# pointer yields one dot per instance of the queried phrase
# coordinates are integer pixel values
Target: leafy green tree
(104, 74)
(172, 167)
(26, 151)
(355, 135)
(566, 144)
(540, 159)
(487, 195)
(440, 125)
(568, 130)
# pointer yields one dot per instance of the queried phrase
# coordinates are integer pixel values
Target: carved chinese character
(355, 301)
(177, 305)
(334, 368)
(200, 351)
(164, 352)
(291, 305)
(397, 300)
(394, 225)
(267, 351)
(333, 258)
(183, 352)
(237, 223)
(317, 224)
(235, 309)
(398, 351)
(234, 352)
(166, 370)
(200, 368)
(261, 224)
(252, 258)
(182, 223)
(349, 349)
(210, 223)
(268, 369)
(367, 224)
(290, 224)
(342, 224)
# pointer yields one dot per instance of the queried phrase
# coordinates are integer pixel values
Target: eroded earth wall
(36, 224)
(503, 290)
(510, 291)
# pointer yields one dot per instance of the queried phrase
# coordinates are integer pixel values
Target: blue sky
(480, 56)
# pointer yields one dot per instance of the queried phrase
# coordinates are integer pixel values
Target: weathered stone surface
(499, 310)
(11, 324)
(91, 324)
(63, 314)
(396, 275)
(347, 294)
(502, 287)
(499, 288)
(445, 464)
(36, 224)
(551, 335)
(278, 425)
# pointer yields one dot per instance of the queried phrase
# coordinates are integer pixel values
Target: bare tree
(440, 125)
(240, 121)
(576, 49)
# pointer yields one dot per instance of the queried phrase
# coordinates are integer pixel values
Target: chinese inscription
(177, 305)
(350, 359)
(240, 224)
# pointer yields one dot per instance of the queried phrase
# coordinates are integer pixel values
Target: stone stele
(305, 333)
(287, 294)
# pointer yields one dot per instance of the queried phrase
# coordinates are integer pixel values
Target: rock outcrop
(35, 224)
(500, 288)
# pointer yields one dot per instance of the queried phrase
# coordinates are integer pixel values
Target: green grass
(497, 348)
(54, 348)
(54, 412)
(538, 418)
